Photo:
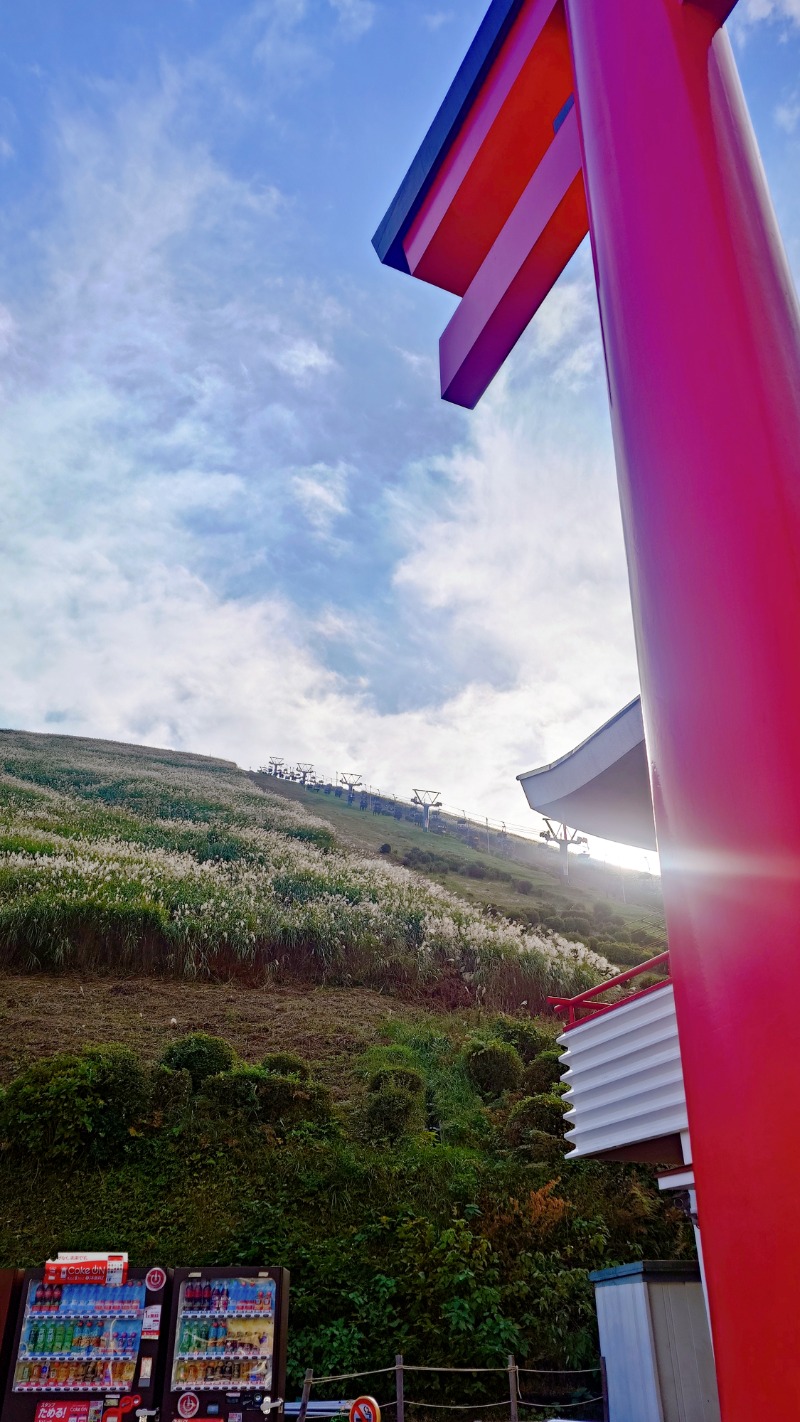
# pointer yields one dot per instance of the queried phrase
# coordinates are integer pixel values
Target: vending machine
(10, 1289)
(226, 1356)
(86, 1345)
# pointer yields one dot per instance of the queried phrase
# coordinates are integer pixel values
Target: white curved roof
(603, 785)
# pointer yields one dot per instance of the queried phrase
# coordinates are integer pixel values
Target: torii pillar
(701, 331)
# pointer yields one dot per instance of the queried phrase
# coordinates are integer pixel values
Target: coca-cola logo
(156, 1279)
(189, 1404)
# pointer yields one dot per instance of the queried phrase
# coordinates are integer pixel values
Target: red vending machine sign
(71, 1410)
(87, 1269)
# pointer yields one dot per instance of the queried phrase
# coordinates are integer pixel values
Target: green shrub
(394, 1112)
(523, 886)
(201, 1055)
(286, 1064)
(170, 1094)
(493, 1067)
(578, 923)
(542, 1074)
(542, 1113)
(529, 1039)
(405, 1078)
(285, 1101)
(79, 1106)
(232, 1094)
(538, 1146)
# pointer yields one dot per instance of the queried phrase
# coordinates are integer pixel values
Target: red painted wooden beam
(720, 9)
(497, 149)
(546, 227)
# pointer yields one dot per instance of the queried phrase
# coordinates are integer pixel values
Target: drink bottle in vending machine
(226, 1356)
(87, 1343)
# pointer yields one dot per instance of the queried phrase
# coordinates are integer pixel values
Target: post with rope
(604, 1382)
(307, 1384)
(399, 1390)
(513, 1389)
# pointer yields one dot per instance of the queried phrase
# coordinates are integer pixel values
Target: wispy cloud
(321, 493)
(754, 10)
(787, 114)
(434, 19)
(355, 16)
(233, 513)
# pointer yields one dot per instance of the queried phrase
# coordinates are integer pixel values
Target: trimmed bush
(233, 1094)
(201, 1055)
(540, 1147)
(285, 1101)
(529, 1040)
(543, 1114)
(493, 1067)
(76, 1107)
(404, 1078)
(542, 1074)
(286, 1064)
(394, 1112)
(170, 1094)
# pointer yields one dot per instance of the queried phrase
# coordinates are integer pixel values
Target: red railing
(588, 1001)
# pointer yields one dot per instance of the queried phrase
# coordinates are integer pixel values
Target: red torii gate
(701, 330)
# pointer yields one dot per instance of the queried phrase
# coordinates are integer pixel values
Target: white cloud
(355, 16)
(321, 493)
(157, 404)
(6, 149)
(787, 115)
(754, 10)
(302, 358)
(526, 557)
(7, 330)
(437, 18)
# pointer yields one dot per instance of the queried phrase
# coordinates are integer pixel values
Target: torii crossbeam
(626, 118)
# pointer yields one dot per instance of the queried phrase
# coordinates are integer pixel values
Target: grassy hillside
(423, 1205)
(408, 1166)
(616, 912)
(128, 859)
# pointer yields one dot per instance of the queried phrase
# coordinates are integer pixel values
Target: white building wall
(624, 1074)
(626, 1343)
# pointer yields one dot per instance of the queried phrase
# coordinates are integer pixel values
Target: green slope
(616, 912)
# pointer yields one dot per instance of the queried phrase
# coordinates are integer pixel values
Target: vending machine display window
(88, 1349)
(225, 1334)
(227, 1345)
(79, 1337)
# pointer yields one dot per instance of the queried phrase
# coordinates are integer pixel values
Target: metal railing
(589, 1002)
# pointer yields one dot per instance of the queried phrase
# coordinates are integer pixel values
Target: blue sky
(236, 517)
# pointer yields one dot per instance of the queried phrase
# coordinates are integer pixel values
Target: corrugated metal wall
(625, 1076)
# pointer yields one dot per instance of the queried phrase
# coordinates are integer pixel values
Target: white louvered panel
(624, 1074)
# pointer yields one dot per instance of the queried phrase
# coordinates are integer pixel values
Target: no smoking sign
(365, 1409)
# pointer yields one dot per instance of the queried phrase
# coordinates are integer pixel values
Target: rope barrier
(562, 1406)
(560, 1372)
(343, 1377)
(421, 1368)
(460, 1406)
